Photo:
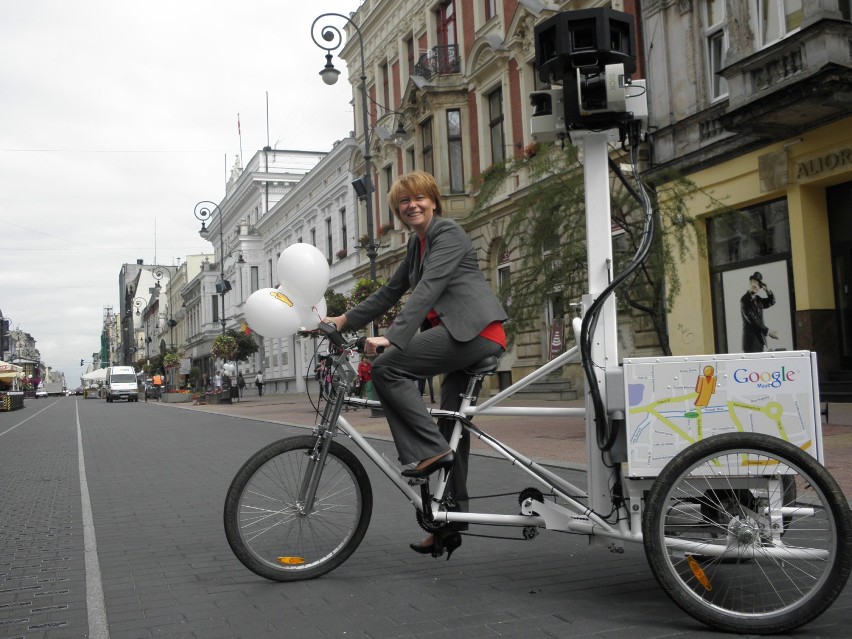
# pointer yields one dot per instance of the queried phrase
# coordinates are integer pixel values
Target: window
(490, 9)
(388, 175)
(495, 126)
(740, 243)
(409, 51)
(385, 87)
(426, 137)
(343, 231)
(778, 18)
(716, 38)
(214, 300)
(454, 150)
(504, 279)
(447, 23)
(329, 251)
(255, 278)
(313, 237)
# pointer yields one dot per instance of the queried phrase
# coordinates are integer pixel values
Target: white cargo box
(672, 402)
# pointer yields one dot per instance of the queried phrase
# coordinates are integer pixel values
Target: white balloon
(311, 316)
(303, 272)
(272, 313)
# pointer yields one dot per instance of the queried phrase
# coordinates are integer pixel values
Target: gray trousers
(417, 437)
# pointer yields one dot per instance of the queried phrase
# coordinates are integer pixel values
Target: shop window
(751, 290)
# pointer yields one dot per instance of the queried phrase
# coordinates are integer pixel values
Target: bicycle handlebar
(336, 338)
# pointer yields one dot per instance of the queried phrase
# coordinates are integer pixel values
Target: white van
(121, 383)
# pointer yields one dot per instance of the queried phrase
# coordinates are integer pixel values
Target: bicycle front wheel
(273, 535)
(748, 534)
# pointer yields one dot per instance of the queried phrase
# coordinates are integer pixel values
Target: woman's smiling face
(416, 211)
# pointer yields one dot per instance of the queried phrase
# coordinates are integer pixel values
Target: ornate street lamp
(332, 39)
(204, 211)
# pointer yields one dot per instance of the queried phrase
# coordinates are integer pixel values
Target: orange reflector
(291, 560)
(699, 573)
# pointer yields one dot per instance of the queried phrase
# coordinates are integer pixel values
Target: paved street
(138, 517)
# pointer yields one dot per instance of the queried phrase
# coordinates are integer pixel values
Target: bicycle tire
(264, 527)
(778, 573)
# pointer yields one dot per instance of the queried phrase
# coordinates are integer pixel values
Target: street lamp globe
(329, 73)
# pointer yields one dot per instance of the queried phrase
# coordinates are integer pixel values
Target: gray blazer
(448, 280)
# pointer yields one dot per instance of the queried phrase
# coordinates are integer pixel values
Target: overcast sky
(116, 117)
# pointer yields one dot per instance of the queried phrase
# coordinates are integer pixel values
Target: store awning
(6, 367)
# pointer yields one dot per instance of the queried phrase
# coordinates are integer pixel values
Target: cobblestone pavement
(559, 441)
(155, 479)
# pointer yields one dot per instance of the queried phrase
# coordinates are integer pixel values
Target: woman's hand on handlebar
(376, 345)
(339, 322)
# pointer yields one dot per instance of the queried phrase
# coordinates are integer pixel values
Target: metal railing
(442, 60)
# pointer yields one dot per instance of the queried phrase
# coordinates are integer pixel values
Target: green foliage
(224, 347)
(171, 360)
(362, 290)
(336, 303)
(246, 345)
(546, 233)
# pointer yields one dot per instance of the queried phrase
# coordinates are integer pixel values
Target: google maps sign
(764, 379)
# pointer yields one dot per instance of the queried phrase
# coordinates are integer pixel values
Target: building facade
(751, 101)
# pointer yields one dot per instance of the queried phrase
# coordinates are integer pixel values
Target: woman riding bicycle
(450, 297)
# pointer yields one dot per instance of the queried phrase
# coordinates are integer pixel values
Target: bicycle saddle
(487, 366)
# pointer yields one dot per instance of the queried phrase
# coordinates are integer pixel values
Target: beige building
(751, 101)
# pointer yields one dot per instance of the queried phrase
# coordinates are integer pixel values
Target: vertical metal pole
(605, 339)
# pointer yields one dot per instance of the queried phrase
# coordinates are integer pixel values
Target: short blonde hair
(414, 184)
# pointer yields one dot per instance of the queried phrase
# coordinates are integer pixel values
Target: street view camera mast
(587, 57)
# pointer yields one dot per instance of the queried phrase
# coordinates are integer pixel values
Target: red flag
(238, 125)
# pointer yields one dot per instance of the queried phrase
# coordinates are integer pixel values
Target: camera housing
(547, 123)
(591, 54)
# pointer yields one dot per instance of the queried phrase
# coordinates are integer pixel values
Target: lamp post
(333, 39)
(204, 211)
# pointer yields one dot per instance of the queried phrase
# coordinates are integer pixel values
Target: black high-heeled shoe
(444, 461)
(449, 541)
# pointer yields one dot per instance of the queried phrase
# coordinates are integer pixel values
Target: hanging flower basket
(224, 347)
(171, 360)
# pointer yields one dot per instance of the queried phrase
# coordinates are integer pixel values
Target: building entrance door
(840, 226)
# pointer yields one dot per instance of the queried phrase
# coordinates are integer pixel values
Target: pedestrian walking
(241, 383)
(258, 382)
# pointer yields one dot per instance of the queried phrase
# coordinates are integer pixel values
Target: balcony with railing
(798, 83)
(443, 60)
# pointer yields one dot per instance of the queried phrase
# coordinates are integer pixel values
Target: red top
(494, 331)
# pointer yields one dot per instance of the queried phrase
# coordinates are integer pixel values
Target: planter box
(218, 398)
(176, 398)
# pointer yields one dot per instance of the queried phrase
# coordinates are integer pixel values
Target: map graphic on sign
(672, 402)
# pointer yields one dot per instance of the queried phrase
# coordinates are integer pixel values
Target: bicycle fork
(318, 454)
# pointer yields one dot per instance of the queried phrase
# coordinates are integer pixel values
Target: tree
(366, 287)
(336, 303)
(547, 229)
(246, 345)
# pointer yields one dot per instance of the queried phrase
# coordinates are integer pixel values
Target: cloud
(117, 118)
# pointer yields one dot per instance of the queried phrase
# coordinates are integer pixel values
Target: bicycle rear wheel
(748, 534)
(263, 522)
